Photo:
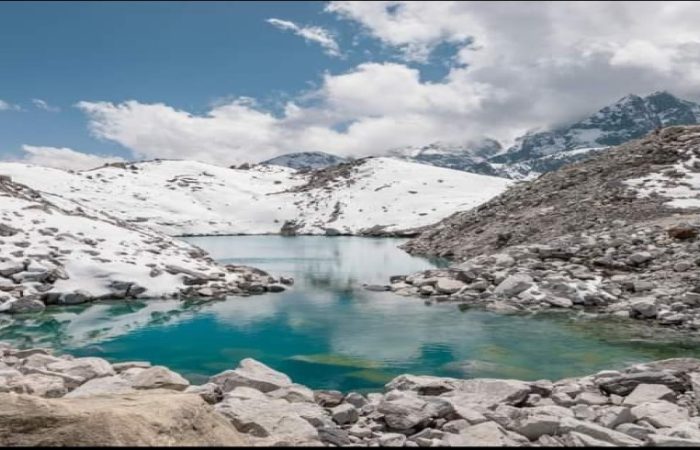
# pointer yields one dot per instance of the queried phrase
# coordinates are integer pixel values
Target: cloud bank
(514, 67)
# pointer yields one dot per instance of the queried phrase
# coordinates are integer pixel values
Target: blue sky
(176, 79)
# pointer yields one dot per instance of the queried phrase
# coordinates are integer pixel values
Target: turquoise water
(328, 332)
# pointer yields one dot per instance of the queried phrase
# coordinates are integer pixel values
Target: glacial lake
(328, 332)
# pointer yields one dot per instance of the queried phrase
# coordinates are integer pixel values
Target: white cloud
(64, 158)
(515, 67)
(315, 34)
(42, 104)
(5, 106)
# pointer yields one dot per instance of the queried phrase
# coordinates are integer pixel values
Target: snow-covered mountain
(469, 157)
(629, 118)
(306, 160)
(367, 196)
(540, 151)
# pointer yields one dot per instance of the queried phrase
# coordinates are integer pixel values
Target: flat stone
(423, 384)
(487, 392)
(123, 366)
(487, 434)
(649, 393)
(660, 413)
(392, 440)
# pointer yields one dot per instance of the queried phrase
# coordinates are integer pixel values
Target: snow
(682, 192)
(188, 197)
(91, 249)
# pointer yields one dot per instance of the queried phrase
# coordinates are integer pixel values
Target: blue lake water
(329, 332)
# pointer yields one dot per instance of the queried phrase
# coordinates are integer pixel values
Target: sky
(82, 83)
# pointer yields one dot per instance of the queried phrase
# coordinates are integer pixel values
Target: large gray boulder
(514, 285)
(488, 392)
(254, 374)
(102, 386)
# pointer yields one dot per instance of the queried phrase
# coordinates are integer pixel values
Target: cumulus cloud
(64, 158)
(513, 68)
(43, 105)
(315, 34)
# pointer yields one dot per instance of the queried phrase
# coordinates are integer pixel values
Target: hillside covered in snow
(368, 196)
(54, 251)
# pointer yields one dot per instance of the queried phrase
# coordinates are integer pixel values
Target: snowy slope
(52, 247)
(187, 197)
(393, 195)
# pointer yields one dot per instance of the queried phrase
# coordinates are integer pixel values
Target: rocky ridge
(647, 404)
(615, 235)
(54, 251)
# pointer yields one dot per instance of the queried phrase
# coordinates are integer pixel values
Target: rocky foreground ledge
(62, 400)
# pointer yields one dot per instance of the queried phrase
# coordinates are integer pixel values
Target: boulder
(423, 384)
(102, 386)
(251, 373)
(488, 392)
(328, 399)
(159, 377)
(448, 285)
(625, 383)
(39, 384)
(644, 308)
(273, 418)
(150, 418)
(601, 433)
(344, 414)
(514, 285)
(660, 413)
(487, 434)
(649, 393)
(293, 393)
(26, 305)
(86, 368)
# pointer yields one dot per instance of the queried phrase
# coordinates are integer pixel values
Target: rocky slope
(305, 160)
(187, 197)
(616, 234)
(134, 402)
(56, 251)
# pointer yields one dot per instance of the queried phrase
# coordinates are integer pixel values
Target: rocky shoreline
(651, 404)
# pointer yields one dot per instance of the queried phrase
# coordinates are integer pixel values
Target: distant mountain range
(537, 152)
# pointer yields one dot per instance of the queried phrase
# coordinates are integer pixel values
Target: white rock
(487, 434)
(597, 432)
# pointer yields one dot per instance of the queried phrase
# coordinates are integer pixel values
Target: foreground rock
(647, 404)
(144, 419)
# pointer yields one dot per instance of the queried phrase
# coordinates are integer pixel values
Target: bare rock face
(155, 418)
